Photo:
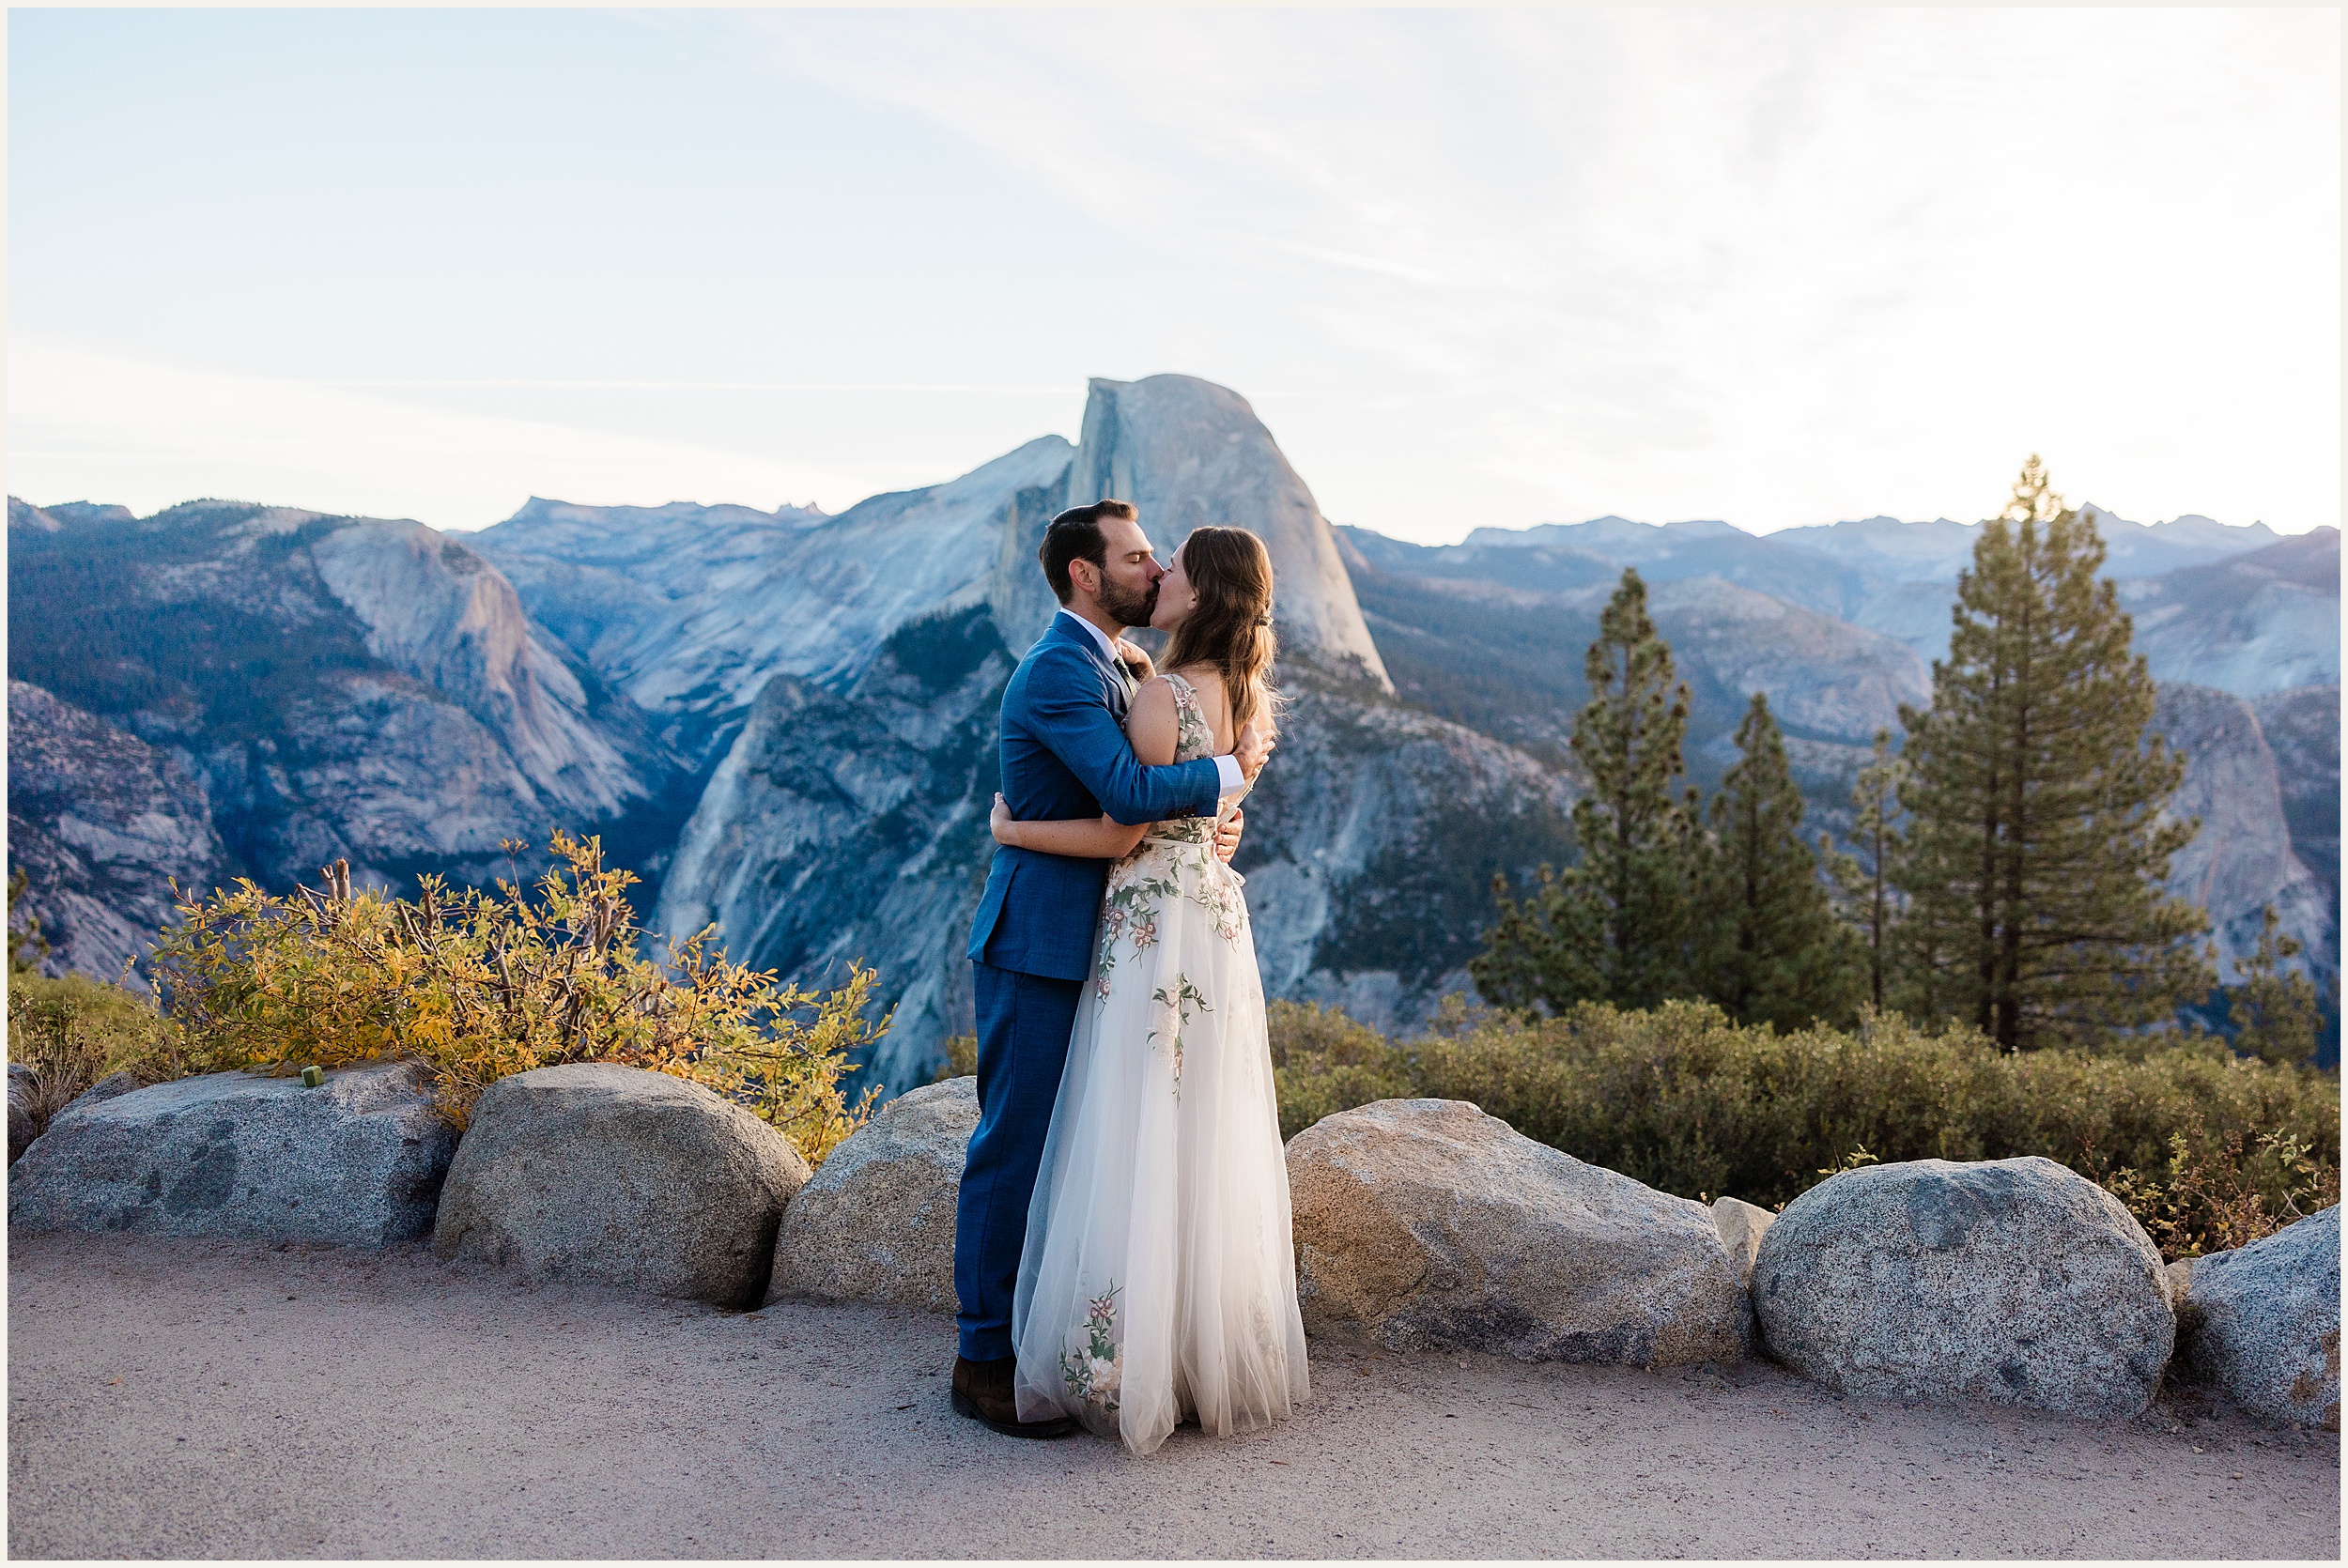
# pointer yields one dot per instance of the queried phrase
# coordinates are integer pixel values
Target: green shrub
(1324, 1062)
(481, 984)
(2208, 1149)
(70, 1031)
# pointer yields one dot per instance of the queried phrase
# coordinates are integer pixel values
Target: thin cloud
(1778, 267)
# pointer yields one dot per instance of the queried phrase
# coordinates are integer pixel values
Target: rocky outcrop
(2242, 860)
(2302, 732)
(2265, 1323)
(339, 687)
(1427, 1225)
(1373, 835)
(1826, 679)
(438, 613)
(1189, 453)
(848, 827)
(606, 579)
(604, 1173)
(357, 1161)
(1474, 636)
(101, 824)
(2263, 621)
(1741, 1225)
(877, 1221)
(744, 596)
(2016, 1282)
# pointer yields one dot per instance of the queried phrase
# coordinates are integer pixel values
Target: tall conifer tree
(1769, 949)
(1615, 927)
(2035, 847)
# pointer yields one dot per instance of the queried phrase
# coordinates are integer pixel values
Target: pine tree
(1771, 950)
(2035, 849)
(1613, 928)
(2276, 1013)
(1869, 902)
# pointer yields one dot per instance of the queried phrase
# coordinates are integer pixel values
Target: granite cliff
(689, 610)
(326, 687)
(101, 824)
(2243, 859)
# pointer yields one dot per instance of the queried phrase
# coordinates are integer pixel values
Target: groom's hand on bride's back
(1253, 747)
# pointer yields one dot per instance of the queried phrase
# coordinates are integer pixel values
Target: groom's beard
(1129, 606)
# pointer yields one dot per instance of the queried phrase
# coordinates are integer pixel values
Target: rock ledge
(357, 1161)
(1427, 1225)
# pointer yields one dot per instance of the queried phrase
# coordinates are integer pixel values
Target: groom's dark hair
(1075, 535)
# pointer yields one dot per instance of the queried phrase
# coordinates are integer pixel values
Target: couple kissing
(1121, 1252)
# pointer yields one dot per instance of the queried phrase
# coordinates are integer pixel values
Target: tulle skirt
(1158, 1280)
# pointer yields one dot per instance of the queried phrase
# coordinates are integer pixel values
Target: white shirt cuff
(1228, 765)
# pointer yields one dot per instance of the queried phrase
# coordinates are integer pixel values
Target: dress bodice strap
(1194, 739)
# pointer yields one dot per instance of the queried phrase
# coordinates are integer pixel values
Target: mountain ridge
(355, 689)
(784, 718)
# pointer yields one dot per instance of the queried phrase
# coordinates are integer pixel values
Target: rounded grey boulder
(1427, 1225)
(592, 1171)
(1740, 1224)
(2265, 1323)
(877, 1221)
(115, 1084)
(357, 1161)
(2017, 1282)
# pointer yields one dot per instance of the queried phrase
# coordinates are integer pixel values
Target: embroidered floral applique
(1094, 1367)
(1178, 1005)
(1139, 889)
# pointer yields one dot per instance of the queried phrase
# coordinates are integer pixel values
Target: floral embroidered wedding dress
(1159, 1280)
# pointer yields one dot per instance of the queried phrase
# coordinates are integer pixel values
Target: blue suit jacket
(1065, 757)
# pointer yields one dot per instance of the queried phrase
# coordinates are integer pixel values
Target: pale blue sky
(1472, 268)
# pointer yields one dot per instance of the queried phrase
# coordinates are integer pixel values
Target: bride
(1158, 1280)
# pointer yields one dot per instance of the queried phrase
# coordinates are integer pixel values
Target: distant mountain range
(2256, 595)
(784, 719)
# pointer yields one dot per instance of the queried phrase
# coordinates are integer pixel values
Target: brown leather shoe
(983, 1391)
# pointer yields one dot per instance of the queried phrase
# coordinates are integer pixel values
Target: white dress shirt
(1226, 766)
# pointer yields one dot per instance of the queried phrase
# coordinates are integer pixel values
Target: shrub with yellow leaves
(480, 983)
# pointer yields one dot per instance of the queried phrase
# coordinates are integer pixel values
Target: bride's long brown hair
(1231, 626)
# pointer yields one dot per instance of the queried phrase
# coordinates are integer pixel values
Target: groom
(1064, 757)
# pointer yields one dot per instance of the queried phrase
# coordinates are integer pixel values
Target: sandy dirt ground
(204, 1399)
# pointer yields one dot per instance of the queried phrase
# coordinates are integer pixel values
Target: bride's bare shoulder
(1204, 679)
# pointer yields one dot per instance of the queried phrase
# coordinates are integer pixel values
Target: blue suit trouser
(1024, 1024)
